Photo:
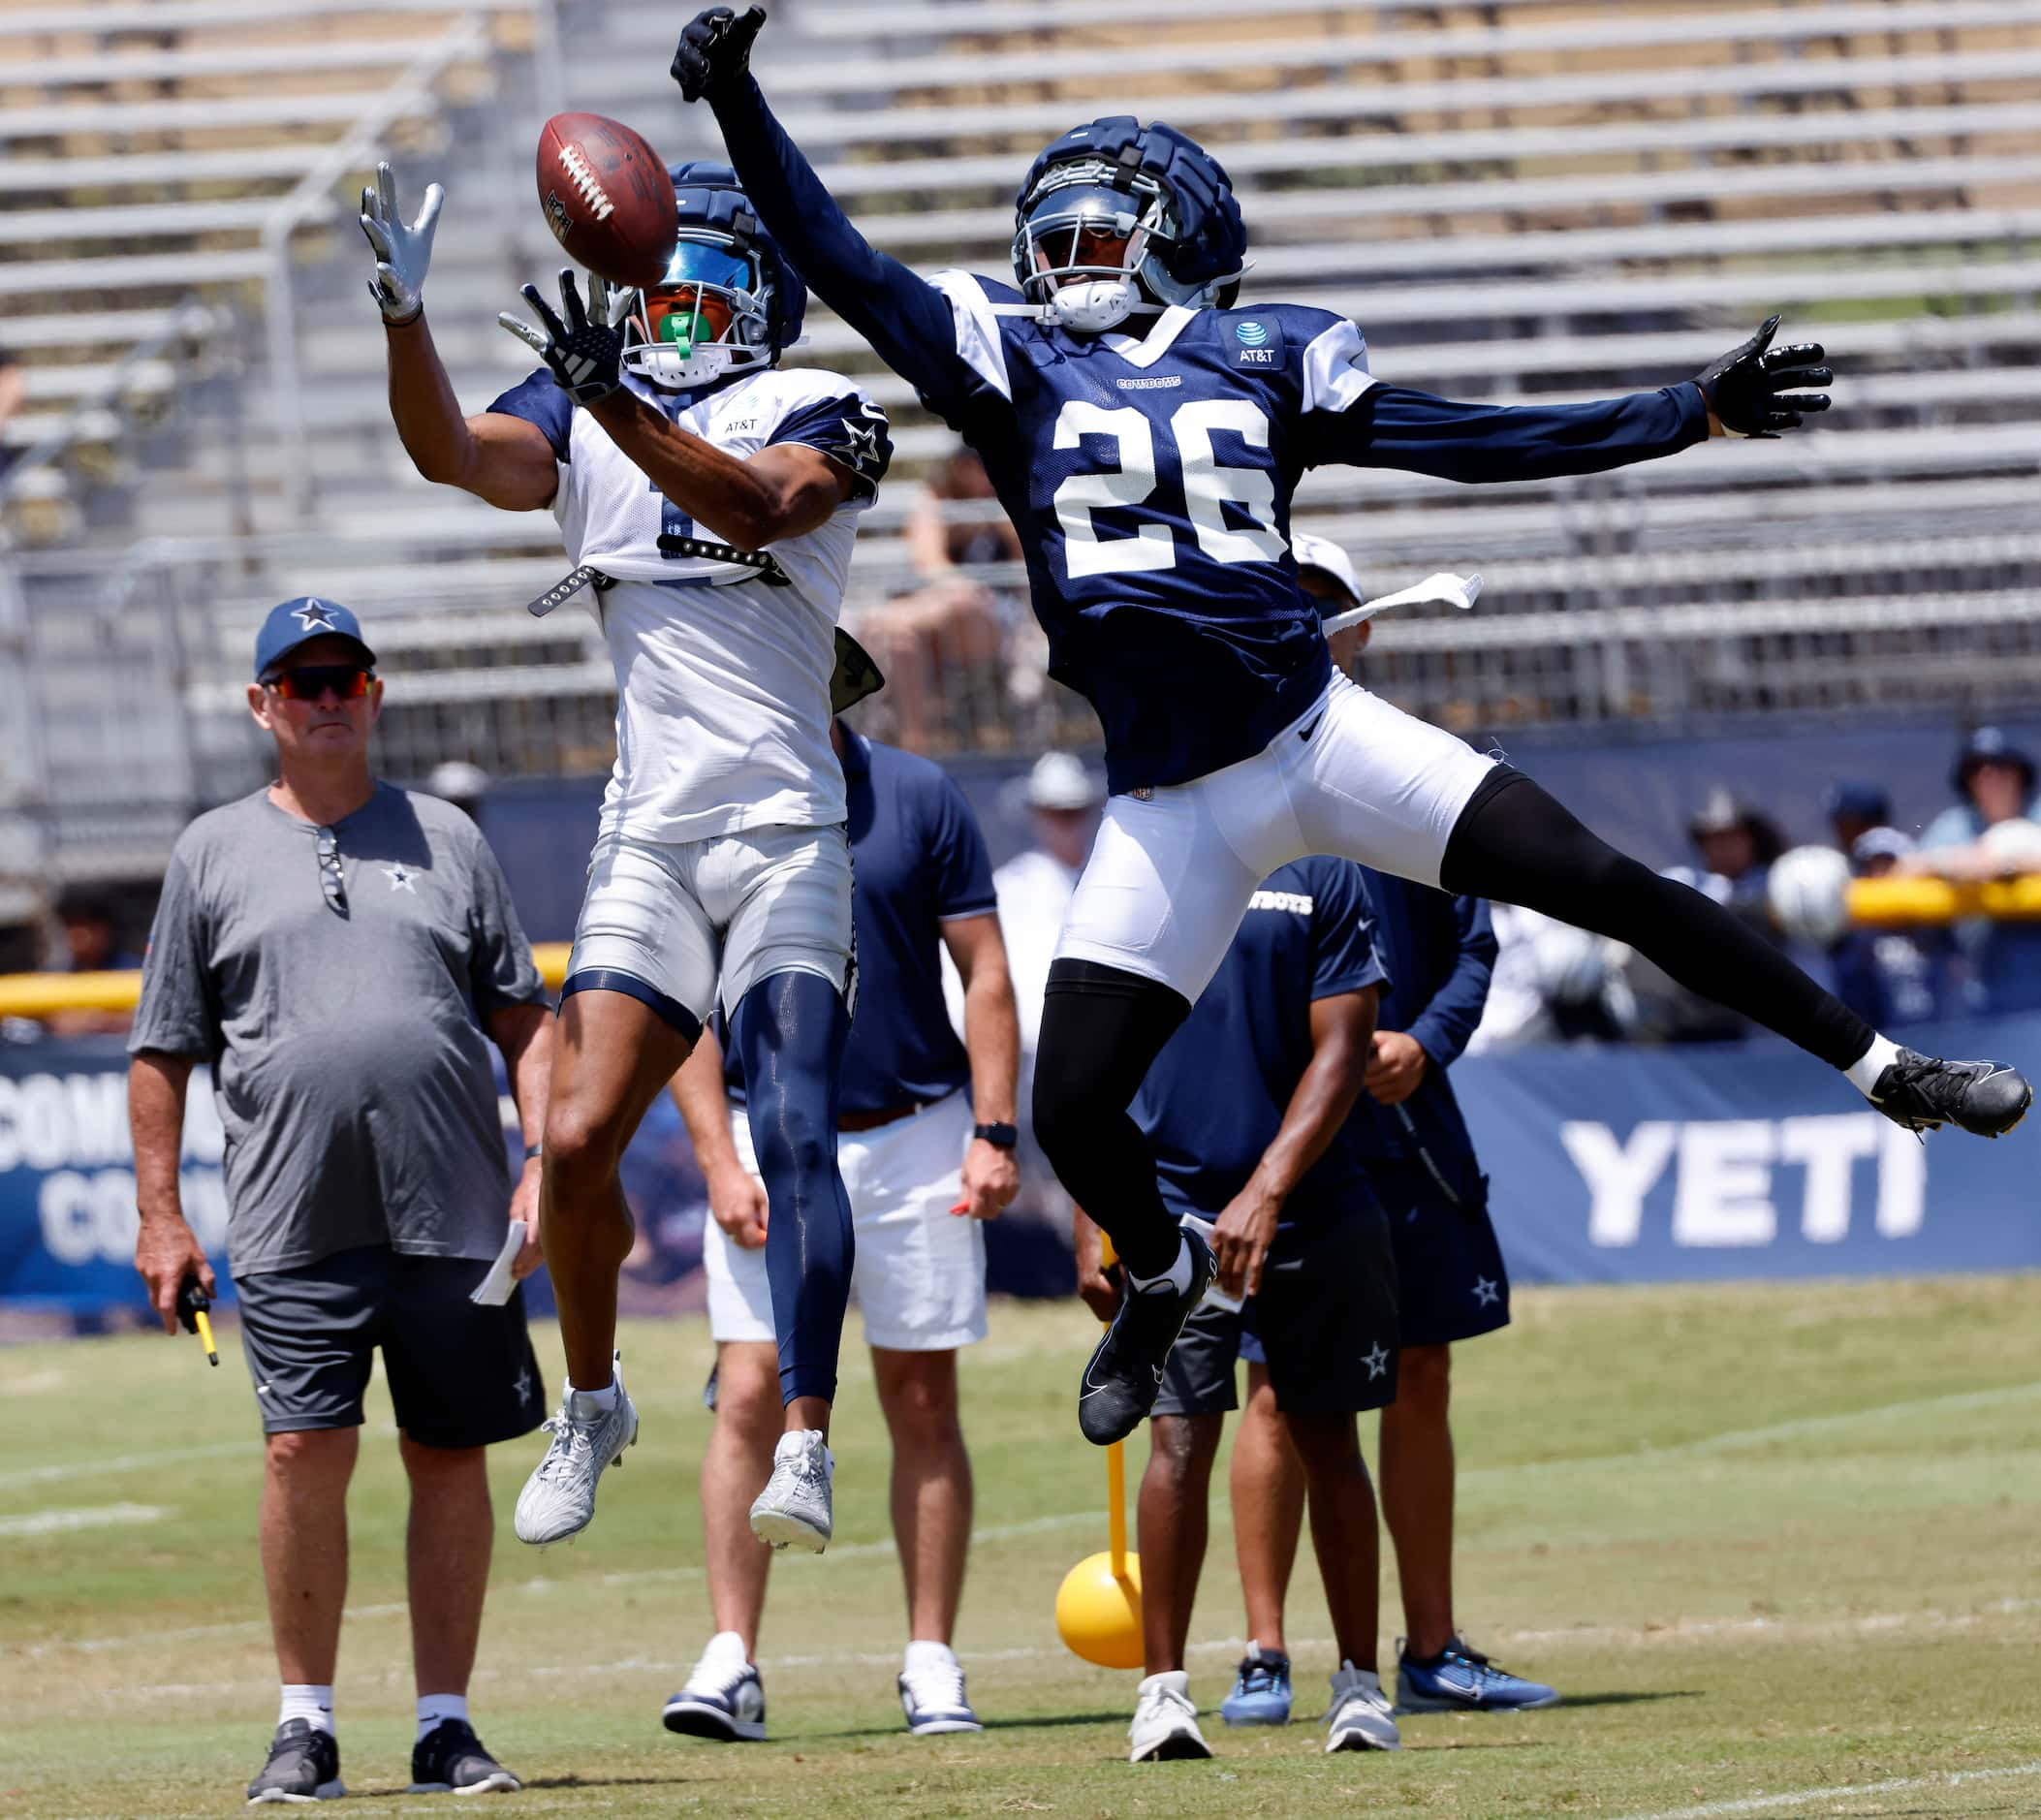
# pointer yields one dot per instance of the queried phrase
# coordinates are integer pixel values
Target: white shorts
(676, 917)
(919, 1270)
(1171, 870)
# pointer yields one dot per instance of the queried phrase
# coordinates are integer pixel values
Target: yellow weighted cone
(1098, 1612)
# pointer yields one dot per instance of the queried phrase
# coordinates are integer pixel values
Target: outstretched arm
(906, 319)
(496, 457)
(1362, 423)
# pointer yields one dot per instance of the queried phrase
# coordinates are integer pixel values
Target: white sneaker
(932, 1692)
(1360, 1718)
(558, 1500)
(1165, 1724)
(724, 1698)
(793, 1508)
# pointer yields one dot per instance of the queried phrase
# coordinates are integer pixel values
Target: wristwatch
(999, 1137)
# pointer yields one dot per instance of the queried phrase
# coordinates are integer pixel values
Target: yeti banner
(1657, 1165)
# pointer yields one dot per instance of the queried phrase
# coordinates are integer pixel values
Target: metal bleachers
(1514, 198)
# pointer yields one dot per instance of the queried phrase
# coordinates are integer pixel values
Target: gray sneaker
(558, 1500)
(794, 1509)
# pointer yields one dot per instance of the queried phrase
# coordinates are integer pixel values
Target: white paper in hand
(1441, 589)
(494, 1289)
(1214, 1296)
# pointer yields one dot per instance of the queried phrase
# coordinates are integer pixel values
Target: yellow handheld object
(1098, 1604)
(192, 1304)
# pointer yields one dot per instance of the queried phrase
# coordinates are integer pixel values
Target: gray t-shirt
(349, 1058)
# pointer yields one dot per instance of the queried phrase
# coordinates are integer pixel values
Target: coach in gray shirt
(341, 954)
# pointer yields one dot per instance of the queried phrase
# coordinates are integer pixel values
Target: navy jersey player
(1145, 436)
(671, 446)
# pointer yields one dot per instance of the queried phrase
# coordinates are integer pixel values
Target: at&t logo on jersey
(1255, 339)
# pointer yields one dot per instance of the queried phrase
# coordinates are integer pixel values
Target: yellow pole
(1115, 1462)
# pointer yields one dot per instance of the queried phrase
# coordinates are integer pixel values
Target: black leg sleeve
(1101, 1029)
(1518, 844)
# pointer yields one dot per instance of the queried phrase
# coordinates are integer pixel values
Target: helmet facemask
(1091, 246)
(710, 316)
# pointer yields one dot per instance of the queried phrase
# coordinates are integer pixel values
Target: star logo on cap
(315, 615)
(864, 444)
(1486, 1291)
(1376, 1360)
(400, 877)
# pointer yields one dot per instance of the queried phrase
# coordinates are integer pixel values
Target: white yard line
(49, 1522)
(124, 1462)
(1842, 1791)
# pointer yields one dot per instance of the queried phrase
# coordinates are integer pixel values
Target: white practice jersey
(722, 679)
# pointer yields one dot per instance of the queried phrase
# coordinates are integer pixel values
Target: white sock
(1865, 1071)
(725, 1646)
(433, 1708)
(586, 1403)
(923, 1655)
(1177, 1276)
(302, 1700)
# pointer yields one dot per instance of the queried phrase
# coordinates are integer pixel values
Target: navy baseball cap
(300, 621)
(1869, 803)
(1990, 746)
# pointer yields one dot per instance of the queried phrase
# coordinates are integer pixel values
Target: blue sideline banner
(1746, 1160)
(67, 1177)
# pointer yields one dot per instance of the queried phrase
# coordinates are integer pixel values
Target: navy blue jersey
(1216, 1097)
(920, 861)
(1440, 952)
(1149, 475)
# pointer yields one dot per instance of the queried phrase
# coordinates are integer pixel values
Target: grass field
(1772, 1542)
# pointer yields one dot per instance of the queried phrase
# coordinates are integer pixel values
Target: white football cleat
(1165, 1728)
(558, 1500)
(1360, 1718)
(932, 1692)
(724, 1698)
(794, 1509)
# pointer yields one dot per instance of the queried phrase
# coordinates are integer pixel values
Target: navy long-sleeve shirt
(1149, 474)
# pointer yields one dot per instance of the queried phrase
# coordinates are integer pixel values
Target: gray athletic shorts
(459, 1375)
(1324, 1323)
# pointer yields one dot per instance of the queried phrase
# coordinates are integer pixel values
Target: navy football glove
(1750, 390)
(585, 351)
(716, 51)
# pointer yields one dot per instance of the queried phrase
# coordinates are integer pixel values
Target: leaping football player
(669, 442)
(1145, 436)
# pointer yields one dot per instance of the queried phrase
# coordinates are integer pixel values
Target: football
(607, 198)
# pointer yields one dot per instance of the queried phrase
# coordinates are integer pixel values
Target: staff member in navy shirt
(926, 1151)
(1409, 1136)
(1246, 1108)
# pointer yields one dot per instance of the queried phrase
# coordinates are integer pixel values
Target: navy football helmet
(730, 302)
(1116, 217)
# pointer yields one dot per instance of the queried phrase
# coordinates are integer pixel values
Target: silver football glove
(402, 253)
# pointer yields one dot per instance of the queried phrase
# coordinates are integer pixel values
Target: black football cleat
(304, 1765)
(1124, 1375)
(1986, 1099)
(449, 1760)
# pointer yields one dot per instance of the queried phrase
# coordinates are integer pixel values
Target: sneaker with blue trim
(1261, 1689)
(1460, 1679)
(1360, 1718)
(932, 1692)
(724, 1697)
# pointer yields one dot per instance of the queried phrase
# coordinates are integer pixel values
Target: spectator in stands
(461, 784)
(90, 926)
(1854, 810)
(943, 646)
(343, 954)
(1901, 976)
(1736, 844)
(1993, 832)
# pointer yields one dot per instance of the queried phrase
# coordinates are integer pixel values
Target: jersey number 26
(1209, 488)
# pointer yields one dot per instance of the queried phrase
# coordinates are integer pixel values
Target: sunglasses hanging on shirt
(332, 880)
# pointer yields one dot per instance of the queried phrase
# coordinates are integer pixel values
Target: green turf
(1769, 1541)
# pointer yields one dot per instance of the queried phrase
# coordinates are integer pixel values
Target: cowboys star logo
(864, 444)
(400, 877)
(315, 615)
(1376, 1360)
(1486, 1291)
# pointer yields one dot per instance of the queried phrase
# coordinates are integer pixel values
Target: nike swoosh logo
(1308, 732)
